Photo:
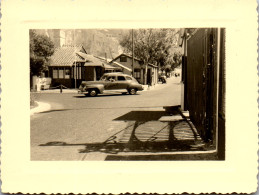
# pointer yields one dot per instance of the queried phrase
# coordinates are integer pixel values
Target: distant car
(163, 79)
(110, 81)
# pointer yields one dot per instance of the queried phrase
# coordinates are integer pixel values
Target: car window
(121, 78)
(103, 78)
(128, 78)
(110, 78)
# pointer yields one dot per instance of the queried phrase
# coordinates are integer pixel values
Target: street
(77, 127)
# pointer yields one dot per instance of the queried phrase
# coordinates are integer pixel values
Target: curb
(40, 108)
(57, 91)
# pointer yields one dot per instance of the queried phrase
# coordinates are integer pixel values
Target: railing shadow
(105, 95)
(142, 134)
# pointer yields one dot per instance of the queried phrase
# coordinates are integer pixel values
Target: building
(203, 82)
(125, 61)
(70, 65)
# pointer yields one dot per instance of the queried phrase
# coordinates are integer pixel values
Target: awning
(109, 67)
(90, 60)
(122, 66)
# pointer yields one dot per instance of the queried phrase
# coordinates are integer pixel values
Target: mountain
(99, 42)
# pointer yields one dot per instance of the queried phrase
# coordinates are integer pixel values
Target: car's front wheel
(93, 92)
(132, 91)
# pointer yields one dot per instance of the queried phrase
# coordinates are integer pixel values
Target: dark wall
(89, 73)
(205, 93)
(196, 88)
(66, 82)
(222, 97)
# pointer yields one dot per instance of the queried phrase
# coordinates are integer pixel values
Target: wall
(200, 82)
(65, 82)
(205, 85)
(90, 74)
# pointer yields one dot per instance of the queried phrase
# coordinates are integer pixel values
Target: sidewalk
(164, 134)
(171, 137)
(41, 107)
(57, 91)
(146, 87)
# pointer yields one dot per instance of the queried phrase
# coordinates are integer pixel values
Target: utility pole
(132, 54)
(75, 74)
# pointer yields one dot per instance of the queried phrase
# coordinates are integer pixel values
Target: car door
(122, 83)
(110, 83)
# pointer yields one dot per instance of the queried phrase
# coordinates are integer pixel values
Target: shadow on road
(102, 95)
(145, 134)
(55, 110)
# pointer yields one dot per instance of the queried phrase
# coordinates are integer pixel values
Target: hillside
(99, 42)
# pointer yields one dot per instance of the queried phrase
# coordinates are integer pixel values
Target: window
(123, 59)
(61, 73)
(111, 78)
(103, 78)
(137, 73)
(55, 73)
(121, 78)
(67, 73)
(128, 78)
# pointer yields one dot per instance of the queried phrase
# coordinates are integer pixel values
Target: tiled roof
(67, 55)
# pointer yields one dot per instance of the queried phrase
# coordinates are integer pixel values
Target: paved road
(75, 120)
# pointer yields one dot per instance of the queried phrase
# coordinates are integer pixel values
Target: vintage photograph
(145, 94)
(129, 97)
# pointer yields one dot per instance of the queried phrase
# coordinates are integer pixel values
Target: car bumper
(141, 88)
(82, 92)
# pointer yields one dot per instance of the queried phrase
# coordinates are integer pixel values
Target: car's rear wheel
(132, 91)
(93, 92)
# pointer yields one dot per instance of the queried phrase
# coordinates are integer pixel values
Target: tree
(41, 48)
(151, 46)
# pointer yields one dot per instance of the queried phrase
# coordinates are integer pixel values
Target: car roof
(116, 74)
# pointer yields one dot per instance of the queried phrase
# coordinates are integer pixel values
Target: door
(99, 73)
(149, 76)
(89, 73)
(122, 83)
(110, 83)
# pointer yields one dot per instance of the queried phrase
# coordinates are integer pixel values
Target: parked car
(110, 81)
(162, 78)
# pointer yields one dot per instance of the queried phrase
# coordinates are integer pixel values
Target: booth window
(61, 73)
(55, 73)
(67, 73)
